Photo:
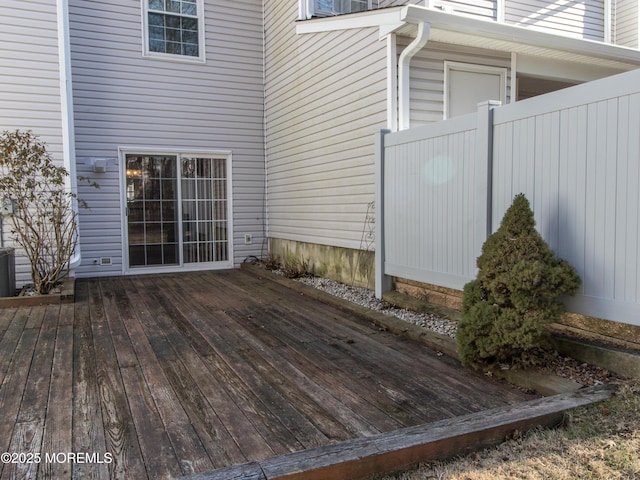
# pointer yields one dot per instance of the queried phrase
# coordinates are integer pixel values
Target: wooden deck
(167, 375)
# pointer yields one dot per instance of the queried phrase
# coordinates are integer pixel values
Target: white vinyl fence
(574, 153)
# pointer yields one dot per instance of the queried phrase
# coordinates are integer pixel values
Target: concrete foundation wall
(346, 265)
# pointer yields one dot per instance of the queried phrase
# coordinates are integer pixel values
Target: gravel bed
(566, 367)
(366, 298)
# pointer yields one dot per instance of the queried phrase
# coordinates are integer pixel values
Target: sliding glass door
(204, 210)
(152, 210)
(177, 210)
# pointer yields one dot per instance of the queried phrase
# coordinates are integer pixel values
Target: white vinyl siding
(30, 97)
(325, 100)
(625, 23)
(122, 99)
(427, 76)
(577, 18)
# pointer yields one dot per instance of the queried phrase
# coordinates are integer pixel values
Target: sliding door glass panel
(204, 210)
(152, 224)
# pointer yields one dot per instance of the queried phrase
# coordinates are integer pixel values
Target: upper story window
(174, 28)
(325, 8)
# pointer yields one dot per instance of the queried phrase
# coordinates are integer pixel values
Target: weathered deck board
(155, 445)
(241, 341)
(6, 316)
(29, 430)
(368, 357)
(10, 338)
(244, 433)
(120, 437)
(177, 374)
(147, 340)
(332, 376)
(88, 431)
(58, 420)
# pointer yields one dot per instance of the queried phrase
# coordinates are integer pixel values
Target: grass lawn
(601, 441)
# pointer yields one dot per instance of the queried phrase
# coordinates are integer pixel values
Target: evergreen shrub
(506, 308)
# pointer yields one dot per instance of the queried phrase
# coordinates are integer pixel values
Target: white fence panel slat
(575, 154)
(430, 206)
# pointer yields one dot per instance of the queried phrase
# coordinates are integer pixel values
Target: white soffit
(458, 38)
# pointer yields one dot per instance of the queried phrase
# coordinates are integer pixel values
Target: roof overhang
(452, 28)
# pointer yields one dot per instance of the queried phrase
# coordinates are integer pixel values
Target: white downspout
(404, 74)
(66, 100)
(392, 83)
(500, 11)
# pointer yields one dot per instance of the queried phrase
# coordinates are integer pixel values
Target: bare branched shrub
(43, 222)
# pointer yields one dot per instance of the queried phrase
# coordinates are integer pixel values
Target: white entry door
(177, 212)
(466, 85)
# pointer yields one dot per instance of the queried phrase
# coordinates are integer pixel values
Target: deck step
(402, 449)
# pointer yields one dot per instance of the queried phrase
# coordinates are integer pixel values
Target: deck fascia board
(392, 451)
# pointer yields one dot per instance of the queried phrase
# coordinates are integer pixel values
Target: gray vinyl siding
(427, 76)
(122, 99)
(625, 23)
(325, 100)
(578, 18)
(30, 96)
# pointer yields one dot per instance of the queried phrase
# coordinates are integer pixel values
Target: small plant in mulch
(271, 261)
(294, 267)
(291, 267)
(506, 308)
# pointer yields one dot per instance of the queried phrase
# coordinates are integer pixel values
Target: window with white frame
(174, 28)
(325, 8)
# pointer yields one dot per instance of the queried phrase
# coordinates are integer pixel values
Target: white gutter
(66, 100)
(404, 74)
